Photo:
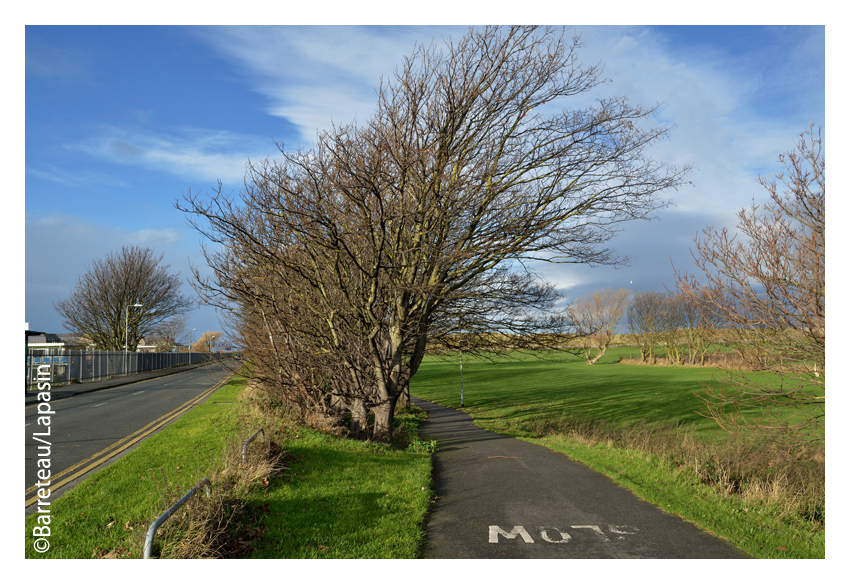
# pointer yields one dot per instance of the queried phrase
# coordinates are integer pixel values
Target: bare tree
(598, 318)
(767, 287)
(285, 339)
(699, 328)
(171, 334)
(385, 232)
(645, 316)
(673, 324)
(102, 304)
(208, 342)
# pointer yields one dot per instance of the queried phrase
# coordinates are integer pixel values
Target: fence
(71, 366)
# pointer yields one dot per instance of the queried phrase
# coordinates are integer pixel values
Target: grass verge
(641, 426)
(302, 494)
(346, 499)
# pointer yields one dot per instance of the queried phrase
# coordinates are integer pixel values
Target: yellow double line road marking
(120, 446)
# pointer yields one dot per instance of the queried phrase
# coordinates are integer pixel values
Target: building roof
(59, 338)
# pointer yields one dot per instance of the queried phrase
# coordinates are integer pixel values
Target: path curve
(501, 497)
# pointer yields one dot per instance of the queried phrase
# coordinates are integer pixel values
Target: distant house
(146, 346)
(57, 344)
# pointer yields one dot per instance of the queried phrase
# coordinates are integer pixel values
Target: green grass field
(506, 393)
(532, 398)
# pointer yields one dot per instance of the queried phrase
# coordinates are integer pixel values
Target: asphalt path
(501, 497)
(94, 428)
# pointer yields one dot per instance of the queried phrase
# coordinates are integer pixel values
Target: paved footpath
(500, 497)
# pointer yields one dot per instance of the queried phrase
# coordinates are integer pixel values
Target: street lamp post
(461, 377)
(126, 327)
(461, 363)
(191, 336)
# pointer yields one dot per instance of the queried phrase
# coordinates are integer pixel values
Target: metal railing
(71, 366)
(151, 533)
(162, 518)
(248, 442)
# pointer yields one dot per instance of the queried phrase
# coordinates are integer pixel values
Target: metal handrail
(251, 439)
(161, 519)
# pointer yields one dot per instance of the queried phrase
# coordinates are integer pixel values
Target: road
(91, 429)
(500, 497)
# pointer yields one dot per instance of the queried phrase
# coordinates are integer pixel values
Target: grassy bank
(324, 497)
(641, 426)
(346, 499)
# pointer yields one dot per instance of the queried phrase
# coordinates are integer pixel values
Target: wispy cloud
(188, 153)
(82, 237)
(314, 74)
(60, 247)
(74, 178)
(713, 100)
(715, 103)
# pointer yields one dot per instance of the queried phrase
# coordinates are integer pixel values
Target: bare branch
(767, 288)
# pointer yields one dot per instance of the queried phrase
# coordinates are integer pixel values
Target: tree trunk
(384, 419)
(598, 356)
(413, 365)
(359, 420)
(404, 398)
(338, 405)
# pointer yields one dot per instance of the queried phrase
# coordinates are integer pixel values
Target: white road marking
(98, 405)
(617, 528)
(595, 528)
(565, 537)
(138, 392)
(496, 531)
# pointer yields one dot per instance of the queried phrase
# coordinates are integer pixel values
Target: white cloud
(74, 178)
(720, 127)
(188, 153)
(312, 75)
(67, 64)
(77, 241)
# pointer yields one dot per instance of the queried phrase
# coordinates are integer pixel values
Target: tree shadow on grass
(342, 503)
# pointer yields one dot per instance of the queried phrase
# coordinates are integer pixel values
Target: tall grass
(791, 482)
(228, 522)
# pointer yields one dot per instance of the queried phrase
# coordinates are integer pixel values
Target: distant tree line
(654, 320)
(759, 296)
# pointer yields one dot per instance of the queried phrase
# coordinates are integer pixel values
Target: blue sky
(120, 121)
